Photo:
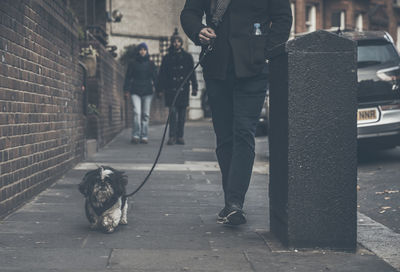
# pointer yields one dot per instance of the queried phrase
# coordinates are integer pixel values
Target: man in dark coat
(174, 68)
(236, 80)
(140, 80)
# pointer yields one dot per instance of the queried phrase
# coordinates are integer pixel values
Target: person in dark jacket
(174, 68)
(140, 80)
(236, 80)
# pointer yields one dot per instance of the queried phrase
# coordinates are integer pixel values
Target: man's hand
(206, 35)
(159, 95)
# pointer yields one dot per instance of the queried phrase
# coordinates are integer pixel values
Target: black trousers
(177, 121)
(236, 104)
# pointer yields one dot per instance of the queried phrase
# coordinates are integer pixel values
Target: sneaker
(134, 140)
(180, 141)
(171, 141)
(144, 141)
(235, 216)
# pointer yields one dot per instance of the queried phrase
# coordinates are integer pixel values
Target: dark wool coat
(235, 41)
(174, 69)
(141, 76)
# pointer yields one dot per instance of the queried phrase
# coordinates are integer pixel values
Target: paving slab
(171, 221)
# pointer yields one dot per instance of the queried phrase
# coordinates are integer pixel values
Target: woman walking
(140, 80)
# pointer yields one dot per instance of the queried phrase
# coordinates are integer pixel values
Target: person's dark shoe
(134, 140)
(144, 141)
(222, 215)
(180, 141)
(235, 216)
(171, 141)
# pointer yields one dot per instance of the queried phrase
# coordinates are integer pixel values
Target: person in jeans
(236, 81)
(140, 80)
(174, 68)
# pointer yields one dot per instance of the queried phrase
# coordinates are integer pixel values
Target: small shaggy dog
(106, 205)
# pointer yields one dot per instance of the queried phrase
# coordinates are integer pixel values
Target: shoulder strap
(218, 9)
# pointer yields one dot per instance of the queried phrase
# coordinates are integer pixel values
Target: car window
(374, 53)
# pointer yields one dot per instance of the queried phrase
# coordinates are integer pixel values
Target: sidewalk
(171, 221)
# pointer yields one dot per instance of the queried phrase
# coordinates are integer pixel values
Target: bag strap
(218, 9)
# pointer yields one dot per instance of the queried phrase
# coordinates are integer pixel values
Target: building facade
(153, 22)
(310, 15)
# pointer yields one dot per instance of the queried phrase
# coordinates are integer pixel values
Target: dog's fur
(106, 205)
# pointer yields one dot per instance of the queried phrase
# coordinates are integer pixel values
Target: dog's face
(102, 192)
(103, 185)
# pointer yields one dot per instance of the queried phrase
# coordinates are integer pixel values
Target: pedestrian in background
(140, 80)
(241, 32)
(176, 64)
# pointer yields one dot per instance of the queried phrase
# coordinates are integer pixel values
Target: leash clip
(210, 47)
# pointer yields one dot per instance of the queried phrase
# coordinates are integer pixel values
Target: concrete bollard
(313, 142)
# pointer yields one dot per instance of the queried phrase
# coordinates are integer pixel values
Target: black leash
(208, 50)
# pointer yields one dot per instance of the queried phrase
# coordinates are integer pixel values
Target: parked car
(378, 94)
(378, 116)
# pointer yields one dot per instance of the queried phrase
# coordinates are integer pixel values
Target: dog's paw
(109, 229)
(109, 224)
(123, 221)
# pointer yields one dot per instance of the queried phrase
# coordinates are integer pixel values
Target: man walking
(174, 68)
(241, 33)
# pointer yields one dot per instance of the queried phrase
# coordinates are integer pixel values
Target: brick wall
(42, 121)
(105, 90)
(41, 129)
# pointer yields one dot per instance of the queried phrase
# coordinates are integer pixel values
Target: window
(311, 18)
(293, 29)
(398, 37)
(359, 22)
(339, 19)
(374, 53)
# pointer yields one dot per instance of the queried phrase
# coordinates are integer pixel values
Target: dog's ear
(121, 180)
(87, 182)
(124, 179)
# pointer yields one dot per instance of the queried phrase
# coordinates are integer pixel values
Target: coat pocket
(257, 47)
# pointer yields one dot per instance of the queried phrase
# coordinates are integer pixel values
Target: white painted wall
(195, 110)
(145, 17)
(398, 38)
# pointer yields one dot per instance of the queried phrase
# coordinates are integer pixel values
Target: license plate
(367, 115)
